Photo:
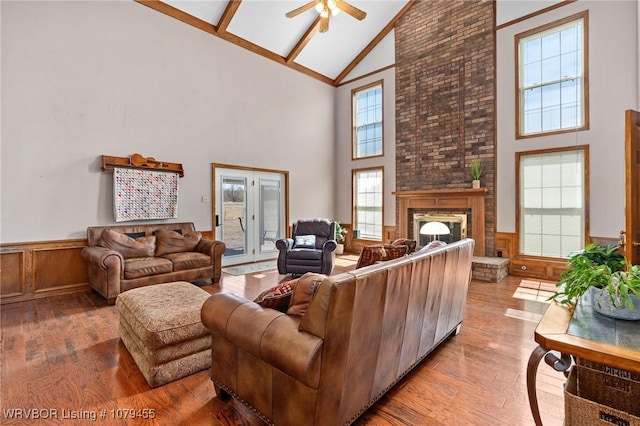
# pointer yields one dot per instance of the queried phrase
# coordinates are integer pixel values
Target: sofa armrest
(265, 333)
(328, 247)
(211, 247)
(103, 257)
(214, 249)
(284, 244)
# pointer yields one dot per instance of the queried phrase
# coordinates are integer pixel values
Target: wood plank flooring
(63, 353)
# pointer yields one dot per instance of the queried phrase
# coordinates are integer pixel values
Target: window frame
(519, 94)
(354, 198)
(354, 130)
(586, 189)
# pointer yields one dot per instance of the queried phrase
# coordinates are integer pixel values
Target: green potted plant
(477, 169)
(614, 286)
(340, 233)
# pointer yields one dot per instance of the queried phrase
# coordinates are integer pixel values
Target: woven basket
(581, 411)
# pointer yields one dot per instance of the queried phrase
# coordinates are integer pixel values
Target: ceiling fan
(327, 8)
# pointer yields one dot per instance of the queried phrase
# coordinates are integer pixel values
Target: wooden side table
(581, 333)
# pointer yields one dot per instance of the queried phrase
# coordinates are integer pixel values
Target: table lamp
(434, 229)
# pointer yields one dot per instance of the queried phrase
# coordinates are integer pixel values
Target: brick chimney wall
(445, 98)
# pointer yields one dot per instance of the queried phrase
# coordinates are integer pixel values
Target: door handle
(623, 240)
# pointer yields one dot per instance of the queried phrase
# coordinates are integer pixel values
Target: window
(552, 78)
(552, 187)
(367, 121)
(367, 186)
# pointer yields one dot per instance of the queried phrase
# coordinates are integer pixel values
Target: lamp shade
(434, 228)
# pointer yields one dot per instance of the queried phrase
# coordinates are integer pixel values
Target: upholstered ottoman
(160, 326)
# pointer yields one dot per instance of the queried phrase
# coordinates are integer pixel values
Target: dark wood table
(581, 333)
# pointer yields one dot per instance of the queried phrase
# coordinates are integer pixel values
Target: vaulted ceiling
(262, 27)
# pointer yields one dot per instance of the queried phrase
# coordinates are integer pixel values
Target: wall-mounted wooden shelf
(109, 162)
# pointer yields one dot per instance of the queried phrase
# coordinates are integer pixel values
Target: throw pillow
(433, 245)
(370, 255)
(128, 247)
(303, 293)
(394, 252)
(277, 297)
(168, 241)
(305, 241)
(411, 244)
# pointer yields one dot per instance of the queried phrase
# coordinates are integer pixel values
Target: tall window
(553, 78)
(367, 121)
(367, 184)
(552, 195)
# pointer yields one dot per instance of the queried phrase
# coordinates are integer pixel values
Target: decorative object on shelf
(604, 269)
(340, 233)
(434, 229)
(137, 161)
(477, 169)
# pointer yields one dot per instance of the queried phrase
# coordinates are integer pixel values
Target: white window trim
(354, 126)
(583, 87)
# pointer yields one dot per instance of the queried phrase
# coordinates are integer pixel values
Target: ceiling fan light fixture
(319, 7)
(324, 13)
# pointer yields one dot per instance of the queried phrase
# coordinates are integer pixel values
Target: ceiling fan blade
(351, 10)
(324, 24)
(301, 9)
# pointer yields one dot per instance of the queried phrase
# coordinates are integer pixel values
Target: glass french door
(249, 214)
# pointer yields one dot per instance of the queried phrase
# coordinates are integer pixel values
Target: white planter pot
(340, 249)
(475, 184)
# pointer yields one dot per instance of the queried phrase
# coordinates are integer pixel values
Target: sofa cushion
(303, 293)
(144, 266)
(172, 242)
(304, 241)
(304, 254)
(185, 261)
(128, 247)
(277, 297)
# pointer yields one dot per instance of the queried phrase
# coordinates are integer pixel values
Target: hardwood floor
(63, 353)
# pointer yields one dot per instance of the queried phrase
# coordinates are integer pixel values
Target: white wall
(344, 164)
(84, 78)
(613, 88)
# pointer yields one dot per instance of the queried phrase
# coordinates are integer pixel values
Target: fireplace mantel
(455, 198)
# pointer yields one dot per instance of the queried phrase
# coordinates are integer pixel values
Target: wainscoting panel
(39, 269)
(44, 268)
(12, 273)
(56, 268)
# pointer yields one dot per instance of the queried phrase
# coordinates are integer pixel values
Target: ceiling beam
(386, 30)
(179, 15)
(227, 15)
(211, 29)
(306, 38)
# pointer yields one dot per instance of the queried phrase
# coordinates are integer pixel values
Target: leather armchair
(310, 248)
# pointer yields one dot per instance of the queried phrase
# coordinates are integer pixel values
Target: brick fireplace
(445, 113)
(441, 200)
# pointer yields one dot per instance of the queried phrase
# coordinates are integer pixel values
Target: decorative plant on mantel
(601, 270)
(477, 169)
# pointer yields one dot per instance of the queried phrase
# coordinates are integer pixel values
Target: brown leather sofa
(120, 258)
(361, 333)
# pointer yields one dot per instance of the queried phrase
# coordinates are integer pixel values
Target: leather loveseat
(120, 258)
(361, 332)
